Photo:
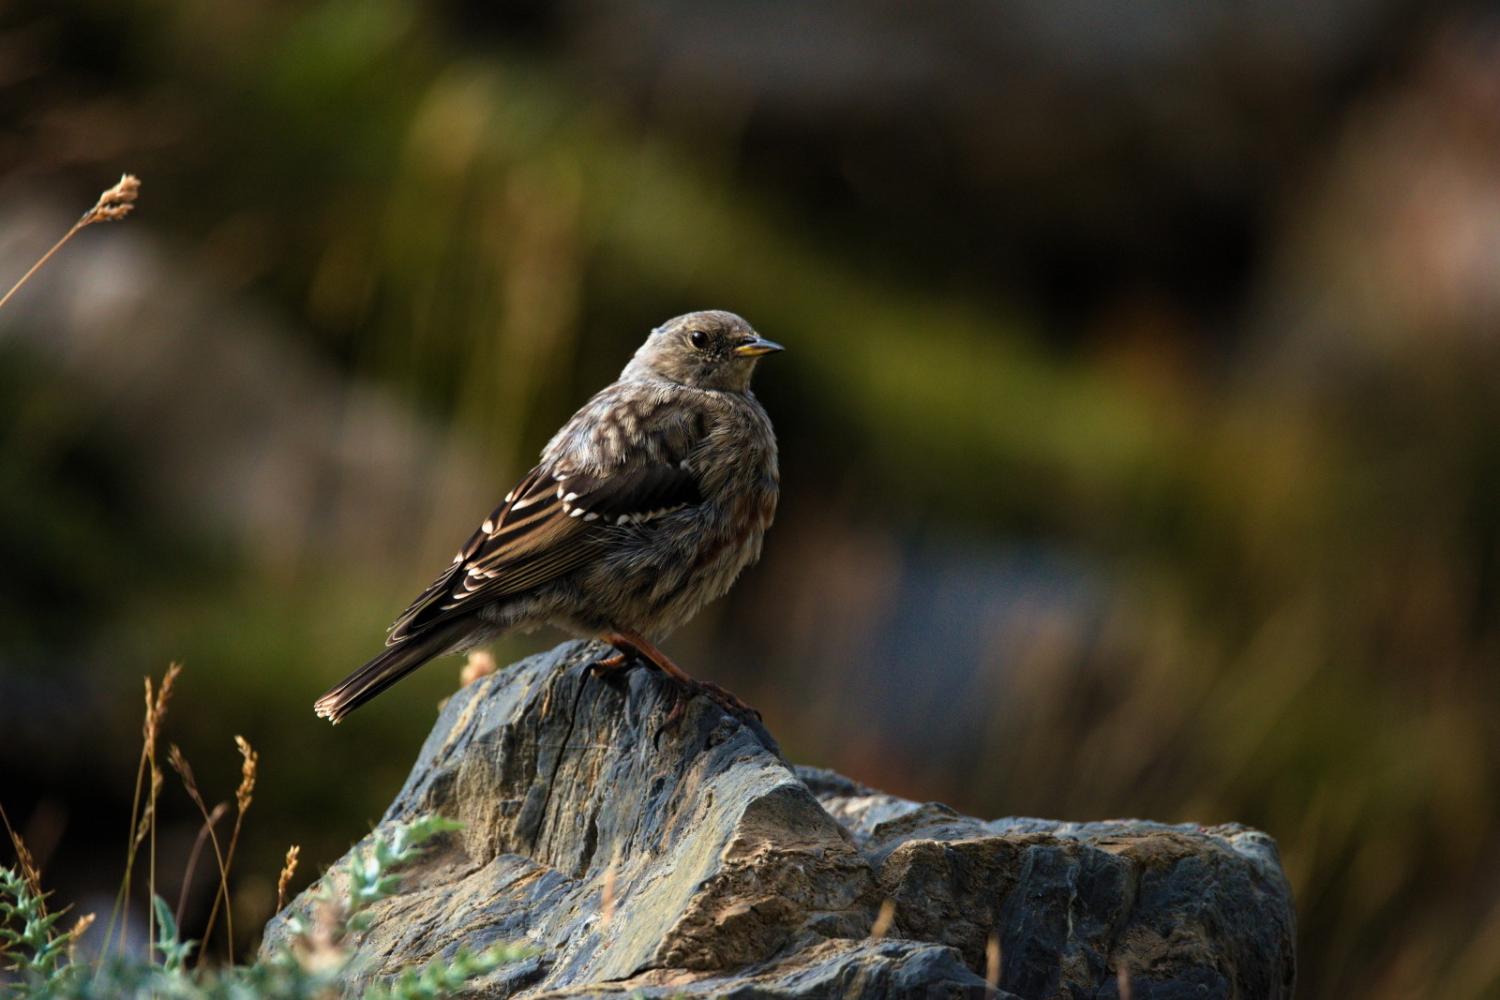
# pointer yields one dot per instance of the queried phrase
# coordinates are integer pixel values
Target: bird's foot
(728, 701)
(674, 717)
(724, 699)
(615, 661)
(638, 644)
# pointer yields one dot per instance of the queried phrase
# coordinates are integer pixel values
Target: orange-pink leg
(610, 663)
(625, 639)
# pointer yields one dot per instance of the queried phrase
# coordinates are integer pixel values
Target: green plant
(311, 961)
(28, 935)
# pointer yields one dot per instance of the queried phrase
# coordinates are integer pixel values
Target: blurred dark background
(1140, 419)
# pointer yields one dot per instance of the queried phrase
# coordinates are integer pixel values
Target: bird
(644, 506)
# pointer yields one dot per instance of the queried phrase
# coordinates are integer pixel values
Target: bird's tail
(386, 669)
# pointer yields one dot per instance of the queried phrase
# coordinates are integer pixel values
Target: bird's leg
(625, 639)
(638, 646)
(636, 643)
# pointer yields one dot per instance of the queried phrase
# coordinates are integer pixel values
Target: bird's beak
(756, 347)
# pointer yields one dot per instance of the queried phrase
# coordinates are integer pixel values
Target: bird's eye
(699, 339)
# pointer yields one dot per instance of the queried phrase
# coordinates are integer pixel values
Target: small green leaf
(174, 953)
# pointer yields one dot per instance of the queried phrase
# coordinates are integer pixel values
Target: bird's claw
(610, 663)
(674, 717)
(727, 701)
(687, 691)
(628, 644)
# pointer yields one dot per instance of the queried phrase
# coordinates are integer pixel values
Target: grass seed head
(248, 765)
(115, 203)
(184, 770)
(284, 881)
(156, 708)
(112, 206)
(80, 926)
(24, 860)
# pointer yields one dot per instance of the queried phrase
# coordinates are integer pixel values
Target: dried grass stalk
(184, 771)
(152, 730)
(112, 206)
(243, 796)
(26, 862)
(142, 821)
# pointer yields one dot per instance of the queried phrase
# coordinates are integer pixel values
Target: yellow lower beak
(755, 348)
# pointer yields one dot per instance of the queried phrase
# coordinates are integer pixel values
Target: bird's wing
(556, 520)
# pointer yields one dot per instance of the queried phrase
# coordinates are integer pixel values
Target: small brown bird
(644, 507)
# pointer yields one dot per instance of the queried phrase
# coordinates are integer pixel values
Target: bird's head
(704, 350)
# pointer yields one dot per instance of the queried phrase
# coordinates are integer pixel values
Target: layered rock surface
(694, 861)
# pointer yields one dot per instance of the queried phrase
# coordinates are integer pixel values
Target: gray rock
(642, 861)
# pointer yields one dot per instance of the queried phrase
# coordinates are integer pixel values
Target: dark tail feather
(386, 669)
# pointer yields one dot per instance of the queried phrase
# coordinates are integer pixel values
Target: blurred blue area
(956, 608)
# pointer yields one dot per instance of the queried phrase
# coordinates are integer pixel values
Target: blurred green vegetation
(1297, 559)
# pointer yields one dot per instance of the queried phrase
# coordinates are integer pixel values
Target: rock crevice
(697, 862)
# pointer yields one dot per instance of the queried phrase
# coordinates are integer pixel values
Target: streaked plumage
(645, 506)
